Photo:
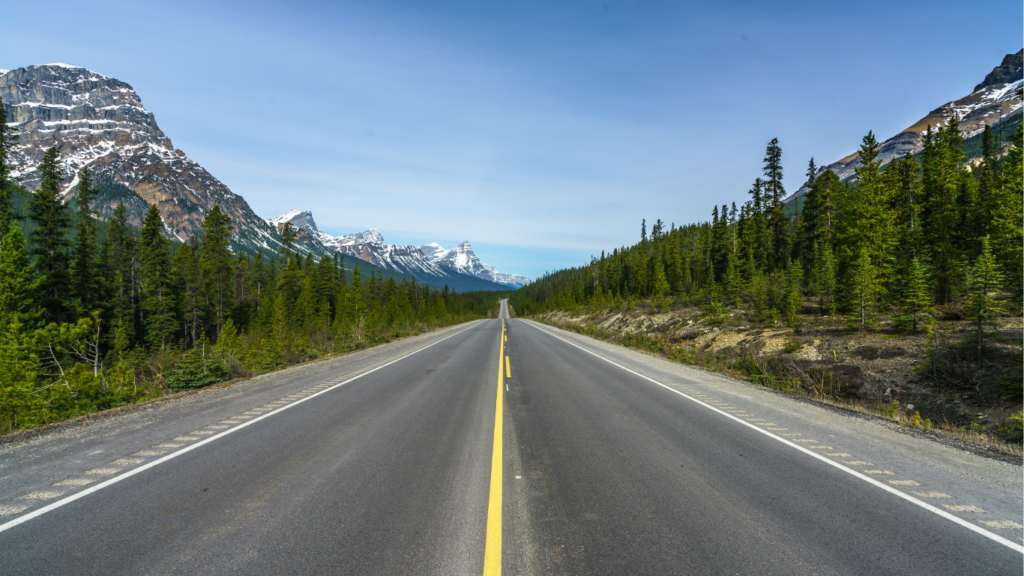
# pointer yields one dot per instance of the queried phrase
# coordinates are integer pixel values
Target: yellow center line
(508, 368)
(492, 551)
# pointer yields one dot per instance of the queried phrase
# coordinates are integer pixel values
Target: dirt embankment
(870, 370)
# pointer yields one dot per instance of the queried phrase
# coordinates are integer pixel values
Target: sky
(541, 131)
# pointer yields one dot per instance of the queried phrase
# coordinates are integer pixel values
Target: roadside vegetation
(918, 262)
(95, 318)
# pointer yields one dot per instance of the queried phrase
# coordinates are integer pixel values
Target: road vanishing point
(499, 446)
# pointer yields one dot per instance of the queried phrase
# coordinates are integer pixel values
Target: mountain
(992, 102)
(100, 122)
(371, 248)
(464, 260)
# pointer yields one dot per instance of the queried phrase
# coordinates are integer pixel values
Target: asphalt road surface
(499, 445)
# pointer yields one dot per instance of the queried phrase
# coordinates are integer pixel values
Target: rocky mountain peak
(301, 220)
(100, 122)
(1010, 70)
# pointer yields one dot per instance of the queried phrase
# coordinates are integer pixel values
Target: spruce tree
(940, 216)
(189, 284)
(915, 296)
(86, 266)
(8, 138)
(120, 255)
(984, 280)
(1007, 232)
(49, 239)
(778, 222)
(157, 302)
(215, 261)
(863, 289)
(18, 283)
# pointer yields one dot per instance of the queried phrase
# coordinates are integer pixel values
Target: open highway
(499, 446)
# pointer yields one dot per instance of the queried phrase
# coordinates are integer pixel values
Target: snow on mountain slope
(464, 260)
(991, 101)
(100, 122)
(369, 246)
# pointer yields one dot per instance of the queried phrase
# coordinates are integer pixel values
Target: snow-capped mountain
(992, 101)
(370, 246)
(464, 260)
(100, 122)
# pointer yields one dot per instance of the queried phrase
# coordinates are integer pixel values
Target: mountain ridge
(991, 102)
(429, 262)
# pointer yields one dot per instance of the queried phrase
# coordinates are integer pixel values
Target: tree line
(893, 243)
(93, 318)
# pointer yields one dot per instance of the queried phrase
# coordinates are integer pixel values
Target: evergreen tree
(940, 216)
(1007, 232)
(215, 261)
(157, 303)
(984, 280)
(863, 289)
(8, 138)
(190, 286)
(915, 296)
(18, 283)
(824, 277)
(778, 223)
(86, 265)
(49, 239)
(120, 259)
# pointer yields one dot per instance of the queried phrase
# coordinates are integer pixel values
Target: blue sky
(543, 132)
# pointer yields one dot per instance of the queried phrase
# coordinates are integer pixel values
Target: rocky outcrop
(100, 122)
(1009, 71)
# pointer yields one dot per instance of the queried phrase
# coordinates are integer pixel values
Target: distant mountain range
(994, 101)
(458, 267)
(100, 122)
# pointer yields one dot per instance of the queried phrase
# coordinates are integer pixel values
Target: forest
(894, 249)
(97, 315)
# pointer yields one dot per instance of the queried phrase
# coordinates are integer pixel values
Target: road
(499, 445)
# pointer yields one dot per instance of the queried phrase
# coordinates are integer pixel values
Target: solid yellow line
(508, 368)
(492, 551)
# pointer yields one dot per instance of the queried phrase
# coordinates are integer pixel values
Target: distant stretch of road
(499, 446)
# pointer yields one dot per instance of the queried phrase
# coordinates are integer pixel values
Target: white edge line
(850, 471)
(116, 479)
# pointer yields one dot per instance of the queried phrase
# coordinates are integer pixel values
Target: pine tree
(288, 236)
(868, 219)
(49, 239)
(940, 215)
(18, 283)
(863, 289)
(984, 280)
(778, 222)
(120, 258)
(86, 266)
(189, 285)
(1007, 232)
(824, 277)
(215, 261)
(8, 138)
(154, 260)
(915, 296)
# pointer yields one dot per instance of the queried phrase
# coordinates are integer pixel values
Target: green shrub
(792, 346)
(197, 369)
(1013, 431)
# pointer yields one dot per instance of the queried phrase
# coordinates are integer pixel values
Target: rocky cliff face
(1006, 73)
(100, 122)
(992, 101)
